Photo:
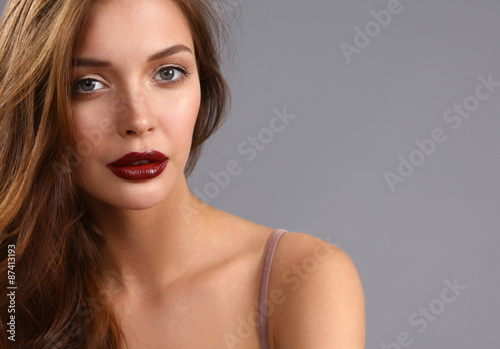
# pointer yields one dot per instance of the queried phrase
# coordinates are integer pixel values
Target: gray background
(324, 173)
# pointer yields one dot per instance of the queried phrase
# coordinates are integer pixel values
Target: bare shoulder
(317, 296)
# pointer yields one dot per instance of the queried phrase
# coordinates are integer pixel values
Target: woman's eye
(166, 74)
(170, 74)
(88, 85)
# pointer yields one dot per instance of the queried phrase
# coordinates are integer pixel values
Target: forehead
(132, 27)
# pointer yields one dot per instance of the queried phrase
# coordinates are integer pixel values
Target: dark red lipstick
(139, 166)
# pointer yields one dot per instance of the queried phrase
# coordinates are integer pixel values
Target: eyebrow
(90, 62)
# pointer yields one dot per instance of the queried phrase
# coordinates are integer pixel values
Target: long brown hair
(49, 248)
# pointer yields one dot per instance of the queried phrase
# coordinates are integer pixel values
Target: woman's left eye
(170, 74)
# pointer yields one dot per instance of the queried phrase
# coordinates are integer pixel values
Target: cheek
(87, 139)
(179, 119)
(92, 125)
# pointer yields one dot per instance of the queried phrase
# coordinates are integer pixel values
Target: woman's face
(136, 89)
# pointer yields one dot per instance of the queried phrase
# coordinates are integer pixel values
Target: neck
(146, 250)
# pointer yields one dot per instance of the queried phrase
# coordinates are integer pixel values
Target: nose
(135, 118)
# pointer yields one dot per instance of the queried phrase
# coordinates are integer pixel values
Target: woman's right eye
(87, 86)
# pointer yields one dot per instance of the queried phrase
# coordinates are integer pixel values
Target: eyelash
(164, 82)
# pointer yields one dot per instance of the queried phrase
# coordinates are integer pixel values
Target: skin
(183, 273)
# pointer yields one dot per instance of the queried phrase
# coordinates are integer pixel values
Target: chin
(128, 198)
(114, 192)
(137, 206)
(133, 202)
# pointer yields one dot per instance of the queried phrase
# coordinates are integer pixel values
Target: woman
(104, 107)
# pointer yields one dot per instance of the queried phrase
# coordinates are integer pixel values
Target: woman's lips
(139, 166)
